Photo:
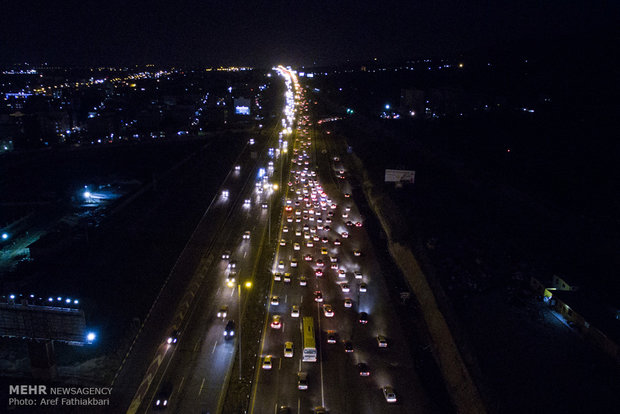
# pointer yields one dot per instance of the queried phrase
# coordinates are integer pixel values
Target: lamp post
(248, 285)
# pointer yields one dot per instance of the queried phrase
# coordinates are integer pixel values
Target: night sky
(261, 33)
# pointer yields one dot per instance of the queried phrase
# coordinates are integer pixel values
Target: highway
(334, 381)
(195, 368)
(320, 229)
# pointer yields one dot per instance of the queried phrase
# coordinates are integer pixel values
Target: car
(382, 341)
(348, 303)
(232, 264)
(174, 337)
(237, 168)
(229, 330)
(296, 246)
(319, 410)
(333, 266)
(303, 281)
(318, 273)
(281, 264)
(358, 274)
(327, 228)
(348, 346)
(226, 255)
(357, 253)
(302, 380)
(333, 259)
(277, 276)
(345, 288)
(331, 337)
(320, 263)
(341, 273)
(328, 311)
(308, 258)
(275, 322)
(347, 195)
(275, 300)
(358, 224)
(223, 312)
(324, 240)
(284, 410)
(363, 369)
(282, 242)
(225, 193)
(297, 233)
(285, 229)
(337, 242)
(246, 235)
(160, 402)
(293, 262)
(309, 243)
(324, 250)
(295, 311)
(287, 277)
(348, 223)
(363, 287)
(247, 202)
(318, 296)
(289, 219)
(389, 394)
(288, 349)
(347, 208)
(267, 362)
(344, 235)
(363, 319)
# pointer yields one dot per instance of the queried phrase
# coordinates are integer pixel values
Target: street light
(247, 285)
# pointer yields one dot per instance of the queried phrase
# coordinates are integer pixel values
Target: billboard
(399, 176)
(43, 323)
(242, 106)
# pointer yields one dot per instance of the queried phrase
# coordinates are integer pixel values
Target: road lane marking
(214, 345)
(202, 384)
(196, 346)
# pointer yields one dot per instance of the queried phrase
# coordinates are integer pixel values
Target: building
(596, 321)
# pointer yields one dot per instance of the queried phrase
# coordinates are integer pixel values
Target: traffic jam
(318, 258)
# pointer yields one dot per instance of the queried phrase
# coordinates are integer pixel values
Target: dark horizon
(116, 34)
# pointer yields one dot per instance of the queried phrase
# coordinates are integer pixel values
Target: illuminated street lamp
(247, 285)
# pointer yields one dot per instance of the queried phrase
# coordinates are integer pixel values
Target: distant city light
(90, 337)
(5, 236)
(387, 106)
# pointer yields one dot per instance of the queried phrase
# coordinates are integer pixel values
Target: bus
(309, 353)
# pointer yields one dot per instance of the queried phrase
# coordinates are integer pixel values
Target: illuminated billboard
(242, 106)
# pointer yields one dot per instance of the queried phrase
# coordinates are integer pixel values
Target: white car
(348, 303)
(295, 311)
(293, 262)
(246, 235)
(389, 394)
(285, 229)
(275, 300)
(358, 275)
(296, 246)
(328, 311)
(345, 288)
